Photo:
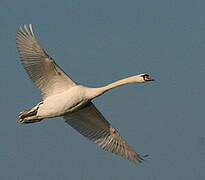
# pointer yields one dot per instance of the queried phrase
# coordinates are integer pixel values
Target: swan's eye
(146, 77)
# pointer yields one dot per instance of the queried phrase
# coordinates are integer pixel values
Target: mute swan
(64, 97)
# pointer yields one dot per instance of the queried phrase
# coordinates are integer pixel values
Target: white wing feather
(90, 123)
(41, 68)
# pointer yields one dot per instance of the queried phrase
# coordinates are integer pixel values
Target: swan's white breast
(59, 104)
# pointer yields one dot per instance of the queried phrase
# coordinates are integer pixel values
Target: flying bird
(64, 97)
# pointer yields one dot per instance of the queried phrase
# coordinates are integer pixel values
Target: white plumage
(63, 97)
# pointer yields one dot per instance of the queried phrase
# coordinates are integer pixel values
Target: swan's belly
(62, 103)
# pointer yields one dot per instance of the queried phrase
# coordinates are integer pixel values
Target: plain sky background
(98, 42)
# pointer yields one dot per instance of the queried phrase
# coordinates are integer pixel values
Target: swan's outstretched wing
(91, 124)
(41, 68)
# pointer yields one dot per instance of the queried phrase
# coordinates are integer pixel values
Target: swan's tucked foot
(27, 113)
(29, 116)
(31, 119)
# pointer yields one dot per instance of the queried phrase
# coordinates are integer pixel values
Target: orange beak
(148, 79)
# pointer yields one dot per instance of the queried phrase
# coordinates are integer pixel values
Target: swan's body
(63, 97)
(65, 102)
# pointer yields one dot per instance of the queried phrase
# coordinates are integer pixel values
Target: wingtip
(26, 30)
(142, 158)
(31, 29)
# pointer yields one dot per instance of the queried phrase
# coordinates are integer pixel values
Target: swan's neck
(99, 91)
(119, 83)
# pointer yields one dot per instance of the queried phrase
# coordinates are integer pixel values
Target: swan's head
(143, 78)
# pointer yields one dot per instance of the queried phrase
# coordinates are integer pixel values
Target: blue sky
(98, 42)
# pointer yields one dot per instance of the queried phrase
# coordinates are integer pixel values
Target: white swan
(63, 97)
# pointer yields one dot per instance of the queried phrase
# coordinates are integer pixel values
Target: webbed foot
(27, 120)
